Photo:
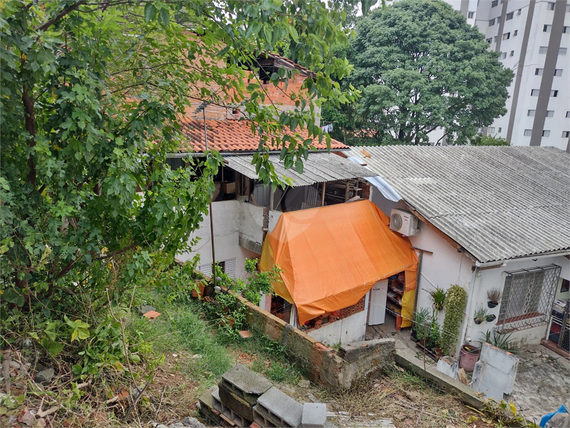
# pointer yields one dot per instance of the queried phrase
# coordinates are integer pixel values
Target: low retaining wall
(323, 364)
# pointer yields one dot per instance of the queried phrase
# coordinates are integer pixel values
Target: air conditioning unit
(403, 222)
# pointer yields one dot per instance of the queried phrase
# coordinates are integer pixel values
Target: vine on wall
(455, 305)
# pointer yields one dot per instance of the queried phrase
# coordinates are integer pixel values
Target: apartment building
(533, 39)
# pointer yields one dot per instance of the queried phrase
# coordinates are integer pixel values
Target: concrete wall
(323, 364)
(346, 330)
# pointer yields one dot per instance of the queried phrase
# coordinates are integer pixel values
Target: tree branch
(60, 15)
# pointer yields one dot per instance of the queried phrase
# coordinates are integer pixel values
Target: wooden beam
(323, 196)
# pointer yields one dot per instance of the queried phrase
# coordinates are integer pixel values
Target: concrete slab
(245, 383)
(542, 383)
(314, 415)
(495, 372)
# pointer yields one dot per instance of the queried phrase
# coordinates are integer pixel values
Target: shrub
(456, 302)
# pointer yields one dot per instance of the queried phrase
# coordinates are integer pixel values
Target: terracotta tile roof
(230, 136)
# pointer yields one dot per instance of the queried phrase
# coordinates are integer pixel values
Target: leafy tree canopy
(420, 66)
(488, 140)
(91, 92)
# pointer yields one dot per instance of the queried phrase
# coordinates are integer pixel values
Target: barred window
(527, 297)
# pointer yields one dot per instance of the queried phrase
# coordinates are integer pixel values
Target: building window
(500, 129)
(568, 114)
(554, 93)
(494, 3)
(491, 130)
(527, 132)
(510, 16)
(489, 40)
(503, 55)
(565, 134)
(551, 5)
(534, 92)
(566, 29)
(491, 22)
(528, 295)
(546, 133)
(562, 51)
(542, 49)
(558, 72)
(531, 113)
(512, 53)
(546, 28)
(538, 71)
(506, 36)
(515, 33)
(549, 113)
(470, 15)
(519, 11)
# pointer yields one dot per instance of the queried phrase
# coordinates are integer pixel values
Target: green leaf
(54, 348)
(11, 295)
(164, 17)
(150, 12)
(299, 166)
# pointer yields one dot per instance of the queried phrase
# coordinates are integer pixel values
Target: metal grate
(527, 297)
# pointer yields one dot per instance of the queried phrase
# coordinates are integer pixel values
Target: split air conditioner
(403, 222)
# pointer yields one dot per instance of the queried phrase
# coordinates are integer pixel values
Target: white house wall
(227, 215)
(347, 330)
(495, 278)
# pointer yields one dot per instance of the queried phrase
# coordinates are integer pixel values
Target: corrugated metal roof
(319, 167)
(496, 202)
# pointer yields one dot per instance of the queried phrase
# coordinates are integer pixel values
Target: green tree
(90, 96)
(488, 140)
(420, 67)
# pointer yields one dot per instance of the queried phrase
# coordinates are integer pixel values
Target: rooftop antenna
(202, 108)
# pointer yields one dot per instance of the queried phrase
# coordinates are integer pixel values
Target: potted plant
(422, 321)
(494, 296)
(490, 317)
(480, 315)
(438, 296)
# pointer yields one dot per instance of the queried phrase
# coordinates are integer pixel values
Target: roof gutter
(499, 263)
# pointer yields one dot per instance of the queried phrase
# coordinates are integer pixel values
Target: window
(565, 134)
(531, 113)
(489, 40)
(546, 133)
(549, 113)
(551, 6)
(510, 16)
(562, 51)
(538, 71)
(554, 93)
(500, 129)
(503, 55)
(528, 295)
(512, 53)
(534, 92)
(227, 266)
(543, 49)
(506, 36)
(527, 132)
(558, 72)
(519, 11)
(546, 28)
(566, 29)
(515, 33)
(491, 130)
(491, 22)
(564, 286)
(568, 114)
(494, 3)
(470, 15)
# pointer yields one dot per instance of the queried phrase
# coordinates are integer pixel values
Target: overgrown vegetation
(454, 313)
(502, 341)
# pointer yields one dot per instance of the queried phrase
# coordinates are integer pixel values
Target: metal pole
(211, 212)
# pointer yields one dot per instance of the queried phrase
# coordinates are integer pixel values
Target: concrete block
(495, 372)
(314, 415)
(244, 383)
(448, 366)
(207, 407)
(279, 408)
(236, 404)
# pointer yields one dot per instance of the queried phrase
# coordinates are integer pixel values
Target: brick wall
(322, 364)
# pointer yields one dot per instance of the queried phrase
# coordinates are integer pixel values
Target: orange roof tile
(230, 136)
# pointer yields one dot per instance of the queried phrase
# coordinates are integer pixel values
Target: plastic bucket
(468, 356)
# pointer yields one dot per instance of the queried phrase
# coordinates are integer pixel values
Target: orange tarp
(332, 256)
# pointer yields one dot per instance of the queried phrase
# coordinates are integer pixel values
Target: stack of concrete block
(246, 399)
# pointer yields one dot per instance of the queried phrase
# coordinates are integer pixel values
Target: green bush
(456, 301)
